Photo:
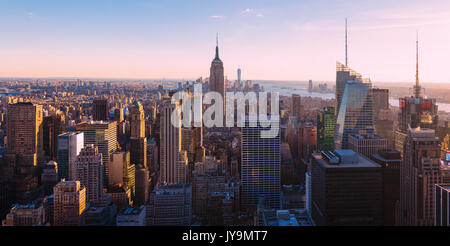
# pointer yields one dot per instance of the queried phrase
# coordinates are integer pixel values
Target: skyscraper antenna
(346, 54)
(217, 39)
(417, 86)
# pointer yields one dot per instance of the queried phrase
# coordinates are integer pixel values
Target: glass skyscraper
(355, 113)
(325, 129)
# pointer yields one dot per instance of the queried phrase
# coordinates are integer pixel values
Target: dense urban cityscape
(118, 152)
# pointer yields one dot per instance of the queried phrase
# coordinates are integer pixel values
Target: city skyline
(266, 39)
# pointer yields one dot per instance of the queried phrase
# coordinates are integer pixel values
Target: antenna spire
(417, 86)
(217, 46)
(346, 54)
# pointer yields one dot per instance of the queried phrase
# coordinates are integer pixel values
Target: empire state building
(216, 77)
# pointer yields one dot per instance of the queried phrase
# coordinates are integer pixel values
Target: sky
(267, 39)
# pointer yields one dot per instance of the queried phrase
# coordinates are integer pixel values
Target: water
(288, 89)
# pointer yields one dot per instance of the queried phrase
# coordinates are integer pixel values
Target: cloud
(246, 11)
(260, 15)
(217, 17)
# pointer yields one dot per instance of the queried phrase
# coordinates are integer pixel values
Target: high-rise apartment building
(346, 189)
(88, 169)
(100, 108)
(69, 146)
(325, 129)
(69, 203)
(260, 167)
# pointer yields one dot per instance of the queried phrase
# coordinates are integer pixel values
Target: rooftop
(346, 159)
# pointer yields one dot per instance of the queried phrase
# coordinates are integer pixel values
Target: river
(288, 89)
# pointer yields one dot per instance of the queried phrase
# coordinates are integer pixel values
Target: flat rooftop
(360, 160)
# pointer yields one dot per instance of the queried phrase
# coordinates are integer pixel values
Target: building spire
(346, 54)
(417, 86)
(217, 45)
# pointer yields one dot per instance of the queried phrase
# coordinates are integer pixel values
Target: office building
(69, 146)
(419, 172)
(24, 142)
(170, 205)
(325, 129)
(216, 76)
(102, 135)
(355, 113)
(100, 109)
(415, 111)
(260, 167)
(88, 169)
(69, 203)
(51, 129)
(138, 141)
(390, 161)
(366, 145)
(346, 189)
(173, 167)
(121, 171)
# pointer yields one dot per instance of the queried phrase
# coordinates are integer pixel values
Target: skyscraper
(216, 76)
(100, 108)
(260, 167)
(89, 171)
(24, 131)
(419, 173)
(102, 135)
(346, 189)
(69, 146)
(138, 142)
(380, 99)
(355, 114)
(51, 130)
(390, 161)
(343, 75)
(297, 106)
(239, 75)
(121, 172)
(415, 111)
(69, 203)
(173, 159)
(142, 185)
(325, 129)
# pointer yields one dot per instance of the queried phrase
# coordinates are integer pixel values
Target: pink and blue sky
(268, 39)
